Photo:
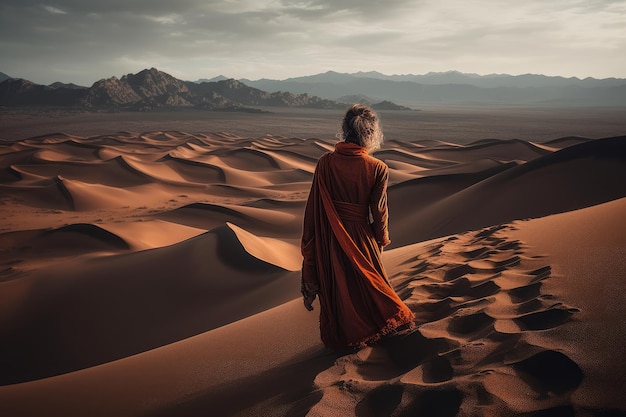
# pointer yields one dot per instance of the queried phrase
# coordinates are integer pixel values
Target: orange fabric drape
(341, 249)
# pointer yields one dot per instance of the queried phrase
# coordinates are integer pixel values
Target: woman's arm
(378, 206)
(307, 244)
(309, 278)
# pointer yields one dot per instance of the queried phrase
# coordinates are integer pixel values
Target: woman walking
(345, 230)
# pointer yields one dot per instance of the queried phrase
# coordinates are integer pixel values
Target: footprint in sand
(472, 345)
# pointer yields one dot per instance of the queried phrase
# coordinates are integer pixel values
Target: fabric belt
(352, 212)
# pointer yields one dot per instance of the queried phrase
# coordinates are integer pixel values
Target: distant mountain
(64, 85)
(211, 80)
(455, 88)
(153, 89)
(3, 77)
(237, 91)
(496, 80)
(377, 104)
(358, 98)
(144, 90)
(456, 77)
(20, 92)
(388, 105)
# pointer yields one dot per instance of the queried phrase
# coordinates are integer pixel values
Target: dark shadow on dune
(525, 293)
(381, 401)
(408, 351)
(437, 370)
(274, 204)
(72, 240)
(444, 402)
(542, 320)
(195, 171)
(91, 237)
(433, 310)
(66, 197)
(457, 272)
(550, 372)
(563, 411)
(291, 385)
(239, 258)
(605, 413)
(471, 325)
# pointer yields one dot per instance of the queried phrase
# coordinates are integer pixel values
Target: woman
(345, 230)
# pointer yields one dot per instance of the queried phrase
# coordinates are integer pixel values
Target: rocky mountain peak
(110, 91)
(232, 84)
(151, 88)
(152, 83)
(20, 83)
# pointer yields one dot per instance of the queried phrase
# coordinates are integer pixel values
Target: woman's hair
(361, 126)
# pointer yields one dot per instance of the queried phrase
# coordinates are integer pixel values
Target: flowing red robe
(345, 227)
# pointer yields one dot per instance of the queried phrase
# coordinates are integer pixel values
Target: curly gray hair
(361, 126)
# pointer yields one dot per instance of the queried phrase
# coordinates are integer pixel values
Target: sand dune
(157, 273)
(575, 177)
(492, 149)
(281, 219)
(87, 311)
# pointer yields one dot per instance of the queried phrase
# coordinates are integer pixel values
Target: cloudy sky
(83, 41)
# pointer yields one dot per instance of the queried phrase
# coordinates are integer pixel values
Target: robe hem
(401, 319)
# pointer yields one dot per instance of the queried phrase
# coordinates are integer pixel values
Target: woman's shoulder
(324, 156)
(323, 160)
(376, 162)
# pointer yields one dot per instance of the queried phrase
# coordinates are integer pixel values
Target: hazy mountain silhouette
(211, 80)
(20, 92)
(66, 85)
(458, 88)
(495, 80)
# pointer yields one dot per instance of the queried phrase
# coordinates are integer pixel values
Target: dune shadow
(436, 402)
(291, 386)
(409, 350)
(550, 372)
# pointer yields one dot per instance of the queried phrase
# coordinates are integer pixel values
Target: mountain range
(154, 89)
(455, 88)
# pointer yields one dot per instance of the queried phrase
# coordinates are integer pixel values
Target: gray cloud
(84, 7)
(82, 40)
(367, 10)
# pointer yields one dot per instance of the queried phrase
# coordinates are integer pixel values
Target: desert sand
(156, 273)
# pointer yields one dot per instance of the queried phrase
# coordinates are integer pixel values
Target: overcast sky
(82, 41)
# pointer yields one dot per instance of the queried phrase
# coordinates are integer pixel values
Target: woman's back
(354, 173)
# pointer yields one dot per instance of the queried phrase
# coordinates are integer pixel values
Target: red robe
(345, 227)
